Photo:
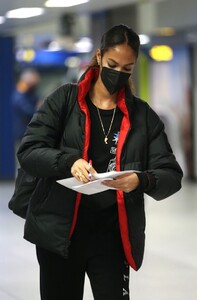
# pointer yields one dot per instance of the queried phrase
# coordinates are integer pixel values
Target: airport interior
(57, 39)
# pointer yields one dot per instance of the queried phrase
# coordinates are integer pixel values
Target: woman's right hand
(82, 170)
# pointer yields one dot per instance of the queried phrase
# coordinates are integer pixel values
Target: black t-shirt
(103, 155)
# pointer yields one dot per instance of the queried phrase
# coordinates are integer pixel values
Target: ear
(98, 56)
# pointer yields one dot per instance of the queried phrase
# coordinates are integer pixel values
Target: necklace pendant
(106, 140)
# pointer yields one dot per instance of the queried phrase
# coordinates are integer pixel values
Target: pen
(90, 164)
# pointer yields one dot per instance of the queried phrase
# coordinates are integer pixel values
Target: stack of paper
(95, 186)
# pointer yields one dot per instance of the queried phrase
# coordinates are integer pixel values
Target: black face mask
(113, 80)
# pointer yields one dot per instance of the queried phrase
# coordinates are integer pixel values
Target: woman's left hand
(125, 182)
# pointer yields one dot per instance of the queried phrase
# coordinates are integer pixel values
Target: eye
(128, 70)
(112, 66)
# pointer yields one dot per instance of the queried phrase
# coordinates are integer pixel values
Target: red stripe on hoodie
(83, 88)
(125, 127)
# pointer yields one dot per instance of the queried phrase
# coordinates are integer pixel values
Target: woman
(100, 234)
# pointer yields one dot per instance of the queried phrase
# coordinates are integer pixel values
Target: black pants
(95, 249)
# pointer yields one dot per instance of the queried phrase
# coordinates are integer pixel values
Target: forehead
(121, 53)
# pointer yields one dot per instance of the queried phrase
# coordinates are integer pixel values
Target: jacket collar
(86, 80)
(125, 97)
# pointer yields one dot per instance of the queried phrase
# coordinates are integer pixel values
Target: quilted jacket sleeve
(38, 153)
(162, 164)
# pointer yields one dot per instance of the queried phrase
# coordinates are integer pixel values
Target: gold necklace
(110, 126)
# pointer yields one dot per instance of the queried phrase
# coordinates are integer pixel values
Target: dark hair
(117, 35)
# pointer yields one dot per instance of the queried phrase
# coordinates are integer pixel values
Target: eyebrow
(112, 60)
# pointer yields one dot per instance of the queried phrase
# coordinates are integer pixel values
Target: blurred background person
(25, 100)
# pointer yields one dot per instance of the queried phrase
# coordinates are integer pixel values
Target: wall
(6, 87)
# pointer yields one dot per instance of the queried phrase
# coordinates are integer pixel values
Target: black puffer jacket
(59, 134)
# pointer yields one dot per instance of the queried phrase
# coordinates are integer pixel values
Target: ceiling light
(25, 12)
(144, 39)
(2, 20)
(161, 53)
(84, 45)
(64, 3)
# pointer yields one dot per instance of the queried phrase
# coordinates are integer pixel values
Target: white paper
(95, 186)
(112, 174)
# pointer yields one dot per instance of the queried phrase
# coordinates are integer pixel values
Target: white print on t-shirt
(112, 162)
(115, 140)
(112, 165)
(116, 137)
(113, 150)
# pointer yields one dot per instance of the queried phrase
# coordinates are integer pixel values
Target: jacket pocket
(40, 193)
(59, 201)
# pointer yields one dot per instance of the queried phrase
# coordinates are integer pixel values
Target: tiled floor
(169, 271)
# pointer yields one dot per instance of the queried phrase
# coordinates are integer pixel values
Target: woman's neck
(101, 98)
